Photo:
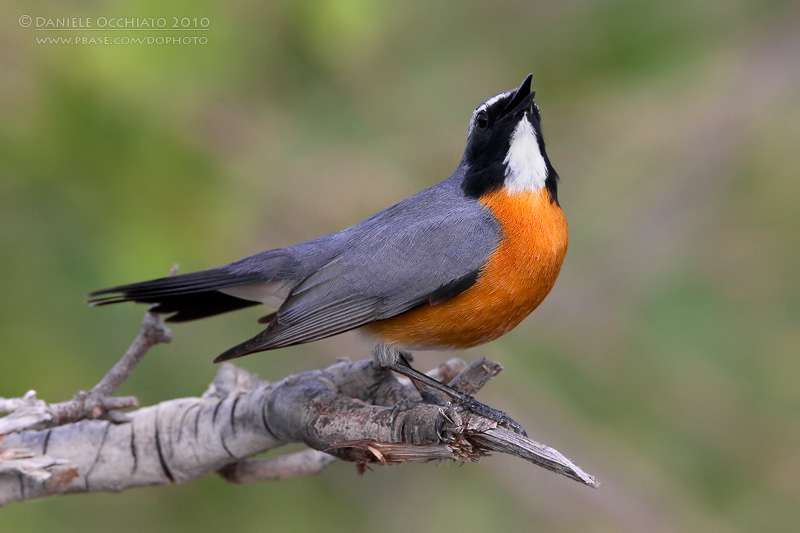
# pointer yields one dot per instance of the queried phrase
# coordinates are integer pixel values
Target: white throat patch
(526, 169)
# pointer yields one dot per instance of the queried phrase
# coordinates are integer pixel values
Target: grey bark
(358, 412)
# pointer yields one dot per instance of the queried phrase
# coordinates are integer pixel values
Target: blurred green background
(665, 361)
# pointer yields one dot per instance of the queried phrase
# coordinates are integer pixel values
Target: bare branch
(29, 413)
(474, 376)
(304, 463)
(152, 332)
(506, 441)
(358, 412)
(9, 405)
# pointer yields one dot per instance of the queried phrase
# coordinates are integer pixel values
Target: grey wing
(386, 266)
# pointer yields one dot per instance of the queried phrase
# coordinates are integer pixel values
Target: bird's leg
(403, 367)
(423, 386)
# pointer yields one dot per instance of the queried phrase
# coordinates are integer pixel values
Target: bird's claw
(471, 404)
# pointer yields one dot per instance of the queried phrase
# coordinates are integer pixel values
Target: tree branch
(357, 412)
(304, 463)
(152, 332)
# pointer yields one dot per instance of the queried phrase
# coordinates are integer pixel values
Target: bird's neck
(526, 167)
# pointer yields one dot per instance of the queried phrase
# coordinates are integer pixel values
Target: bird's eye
(482, 120)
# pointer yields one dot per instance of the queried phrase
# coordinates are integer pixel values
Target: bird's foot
(402, 366)
(481, 409)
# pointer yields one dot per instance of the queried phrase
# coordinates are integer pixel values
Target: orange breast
(513, 282)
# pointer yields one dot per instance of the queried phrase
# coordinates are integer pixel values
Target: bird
(451, 267)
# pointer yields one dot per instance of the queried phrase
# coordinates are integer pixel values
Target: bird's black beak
(522, 93)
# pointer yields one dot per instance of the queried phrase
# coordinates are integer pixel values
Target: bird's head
(505, 147)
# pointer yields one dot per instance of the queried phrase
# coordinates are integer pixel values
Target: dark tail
(187, 297)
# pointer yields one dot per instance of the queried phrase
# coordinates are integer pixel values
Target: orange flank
(512, 283)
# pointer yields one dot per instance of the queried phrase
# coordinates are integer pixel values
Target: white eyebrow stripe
(488, 103)
(526, 169)
(491, 101)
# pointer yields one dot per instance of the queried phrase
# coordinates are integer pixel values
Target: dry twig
(356, 412)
